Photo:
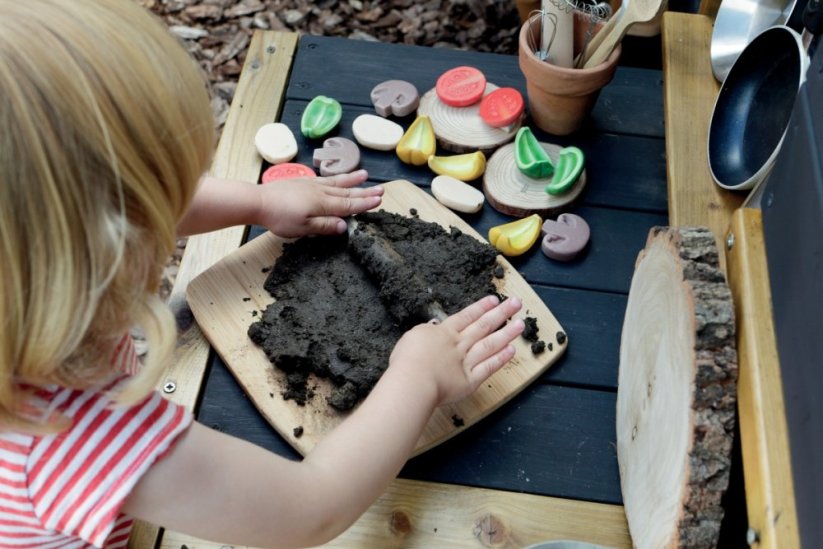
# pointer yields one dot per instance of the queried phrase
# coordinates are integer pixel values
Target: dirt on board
(331, 319)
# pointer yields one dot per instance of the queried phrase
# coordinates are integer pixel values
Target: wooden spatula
(631, 12)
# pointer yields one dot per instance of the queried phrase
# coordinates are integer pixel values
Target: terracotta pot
(561, 98)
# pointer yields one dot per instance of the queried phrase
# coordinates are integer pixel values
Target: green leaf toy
(530, 156)
(320, 117)
(570, 164)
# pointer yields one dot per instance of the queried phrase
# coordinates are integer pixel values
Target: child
(105, 131)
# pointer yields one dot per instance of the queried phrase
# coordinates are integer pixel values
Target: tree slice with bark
(676, 391)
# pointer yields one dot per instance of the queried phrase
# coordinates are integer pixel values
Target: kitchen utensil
(226, 296)
(753, 108)
(739, 21)
(560, 50)
(542, 30)
(630, 12)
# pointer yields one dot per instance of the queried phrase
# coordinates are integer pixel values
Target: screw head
(751, 536)
(730, 241)
(169, 387)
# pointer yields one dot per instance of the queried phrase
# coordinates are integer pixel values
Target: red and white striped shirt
(65, 490)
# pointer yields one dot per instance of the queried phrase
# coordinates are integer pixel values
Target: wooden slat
(689, 94)
(764, 436)
(418, 514)
(260, 93)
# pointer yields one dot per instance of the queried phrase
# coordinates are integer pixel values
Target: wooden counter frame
(411, 513)
(694, 199)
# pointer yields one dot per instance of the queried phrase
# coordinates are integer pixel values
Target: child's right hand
(461, 352)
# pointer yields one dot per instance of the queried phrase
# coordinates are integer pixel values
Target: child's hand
(298, 207)
(460, 353)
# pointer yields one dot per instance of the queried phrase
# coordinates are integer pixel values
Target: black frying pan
(753, 108)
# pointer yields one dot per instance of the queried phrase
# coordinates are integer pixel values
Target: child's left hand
(298, 207)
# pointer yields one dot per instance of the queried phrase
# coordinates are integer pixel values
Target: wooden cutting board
(229, 296)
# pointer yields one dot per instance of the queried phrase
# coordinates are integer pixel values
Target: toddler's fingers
(486, 368)
(345, 179)
(377, 190)
(491, 320)
(344, 206)
(492, 344)
(465, 317)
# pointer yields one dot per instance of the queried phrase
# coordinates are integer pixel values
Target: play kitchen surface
(551, 448)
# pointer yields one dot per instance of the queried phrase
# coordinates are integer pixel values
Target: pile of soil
(331, 319)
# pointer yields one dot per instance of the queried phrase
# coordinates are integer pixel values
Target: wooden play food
(515, 238)
(375, 132)
(395, 97)
(320, 117)
(461, 86)
(275, 142)
(287, 170)
(418, 143)
(464, 167)
(530, 156)
(457, 195)
(570, 162)
(338, 155)
(502, 107)
(565, 238)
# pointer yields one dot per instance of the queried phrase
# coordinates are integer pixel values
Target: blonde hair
(105, 129)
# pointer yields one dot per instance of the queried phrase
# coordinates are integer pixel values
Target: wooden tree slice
(512, 192)
(676, 391)
(460, 129)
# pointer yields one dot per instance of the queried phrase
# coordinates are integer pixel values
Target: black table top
(557, 437)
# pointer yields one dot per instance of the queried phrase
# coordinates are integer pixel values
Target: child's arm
(288, 207)
(217, 487)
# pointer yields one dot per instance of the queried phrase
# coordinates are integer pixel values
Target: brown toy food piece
(565, 238)
(395, 97)
(676, 391)
(338, 155)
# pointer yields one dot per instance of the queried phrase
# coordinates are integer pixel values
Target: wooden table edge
(261, 93)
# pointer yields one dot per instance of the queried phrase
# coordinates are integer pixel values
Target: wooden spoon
(597, 39)
(633, 11)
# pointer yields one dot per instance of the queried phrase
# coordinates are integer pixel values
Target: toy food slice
(570, 162)
(565, 238)
(338, 155)
(418, 143)
(457, 195)
(375, 132)
(516, 237)
(502, 107)
(396, 97)
(287, 170)
(464, 167)
(320, 117)
(461, 86)
(276, 143)
(530, 156)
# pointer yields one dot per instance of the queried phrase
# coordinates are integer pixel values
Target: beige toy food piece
(375, 132)
(275, 142)
(457, 195)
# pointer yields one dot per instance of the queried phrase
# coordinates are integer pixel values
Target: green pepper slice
(320, 117)
(570, 164)
(530, 156)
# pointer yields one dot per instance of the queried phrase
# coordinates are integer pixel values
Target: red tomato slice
(461, 86)
(502, 107)
(288, 170)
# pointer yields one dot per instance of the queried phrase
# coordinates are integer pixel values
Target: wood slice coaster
(676, 391)
(512, 192)
(460, 129)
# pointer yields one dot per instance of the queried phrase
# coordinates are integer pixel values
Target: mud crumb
(457, 421)
(246, 299)
(561, 338)
(550, 346)
(538, 347)
(499, 272)
(531, 329)
(413, 212)
(265, 269)
(298, 431)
